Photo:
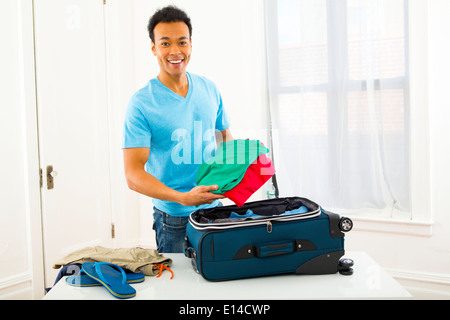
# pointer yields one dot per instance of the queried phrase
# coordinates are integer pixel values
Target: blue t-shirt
(179, 132)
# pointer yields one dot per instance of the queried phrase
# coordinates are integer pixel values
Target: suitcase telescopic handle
(270, 250)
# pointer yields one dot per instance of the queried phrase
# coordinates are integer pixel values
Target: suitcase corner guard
(326, 263)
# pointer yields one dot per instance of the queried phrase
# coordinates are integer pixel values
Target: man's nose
(175, 50)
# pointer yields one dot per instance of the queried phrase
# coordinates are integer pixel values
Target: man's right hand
(201, 195)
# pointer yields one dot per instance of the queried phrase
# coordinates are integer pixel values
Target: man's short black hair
(168, 14)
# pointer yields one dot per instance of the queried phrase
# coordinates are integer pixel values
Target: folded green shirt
(230, 163)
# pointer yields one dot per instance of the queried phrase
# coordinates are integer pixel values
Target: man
(170, 128)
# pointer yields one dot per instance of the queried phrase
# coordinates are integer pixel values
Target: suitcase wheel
(346, 272)
(345, 224)
(346, 263)
(344, 266)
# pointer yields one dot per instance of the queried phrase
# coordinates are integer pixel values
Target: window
(338, 83)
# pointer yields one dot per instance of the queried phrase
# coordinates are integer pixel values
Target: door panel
(73, 126)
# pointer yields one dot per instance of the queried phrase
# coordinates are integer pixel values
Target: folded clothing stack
(239, 167)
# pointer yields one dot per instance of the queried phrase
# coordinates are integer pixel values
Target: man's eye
(165, 44)
(183, 43)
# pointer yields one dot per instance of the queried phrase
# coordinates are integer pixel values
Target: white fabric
(337, 74)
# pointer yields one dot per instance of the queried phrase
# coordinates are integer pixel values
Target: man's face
(172, 47)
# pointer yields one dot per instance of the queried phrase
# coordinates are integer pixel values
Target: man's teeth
(175, 61)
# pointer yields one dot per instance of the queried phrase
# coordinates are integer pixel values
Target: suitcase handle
(274, 249)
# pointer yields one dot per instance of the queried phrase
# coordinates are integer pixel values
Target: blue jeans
(170, 231)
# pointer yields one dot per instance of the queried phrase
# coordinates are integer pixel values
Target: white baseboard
(423, 285)
(16, 287)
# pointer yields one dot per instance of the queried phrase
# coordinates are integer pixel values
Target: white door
(73, 127)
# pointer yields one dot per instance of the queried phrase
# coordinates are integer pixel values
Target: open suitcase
(267, 237)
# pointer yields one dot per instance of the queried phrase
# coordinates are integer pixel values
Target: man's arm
(141, 181)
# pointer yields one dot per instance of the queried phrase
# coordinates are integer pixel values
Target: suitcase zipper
(269, 226)
(253, 222)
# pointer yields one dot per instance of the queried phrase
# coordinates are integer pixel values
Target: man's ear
(153, 48)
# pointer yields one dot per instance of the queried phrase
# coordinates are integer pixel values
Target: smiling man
(170, 128)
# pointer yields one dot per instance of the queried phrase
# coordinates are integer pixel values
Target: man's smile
(175, 61)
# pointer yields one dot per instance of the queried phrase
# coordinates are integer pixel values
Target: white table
(369, 281)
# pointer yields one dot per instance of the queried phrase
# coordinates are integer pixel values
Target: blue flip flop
(111, 276)
(83, 280)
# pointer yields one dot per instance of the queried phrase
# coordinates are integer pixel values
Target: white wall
(12, 210)
(20, 241)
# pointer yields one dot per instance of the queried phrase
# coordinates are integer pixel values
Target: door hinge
(41, 182)
(113, 231)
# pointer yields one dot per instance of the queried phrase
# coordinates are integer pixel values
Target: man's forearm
(146, 184)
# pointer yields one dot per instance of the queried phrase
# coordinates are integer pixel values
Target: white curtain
(338, 87)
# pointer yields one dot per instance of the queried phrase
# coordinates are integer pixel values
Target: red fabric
(257, 174)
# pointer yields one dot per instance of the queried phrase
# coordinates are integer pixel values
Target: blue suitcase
(267, 237)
